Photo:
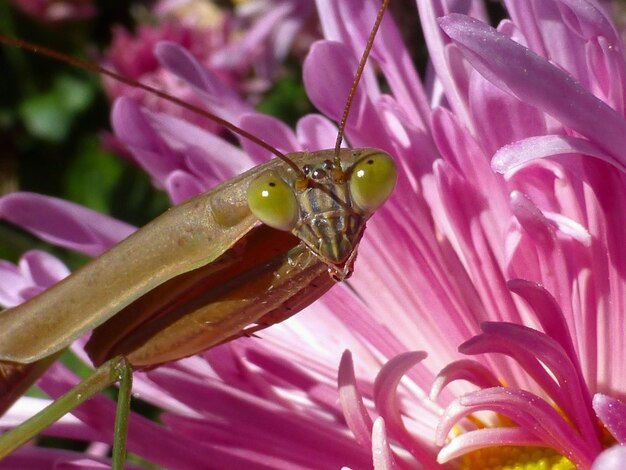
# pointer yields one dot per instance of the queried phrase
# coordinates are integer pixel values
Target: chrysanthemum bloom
(51, 11)
(243, 49)
(521, 267)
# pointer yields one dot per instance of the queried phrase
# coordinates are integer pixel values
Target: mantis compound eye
(372, 180)
(273, 202)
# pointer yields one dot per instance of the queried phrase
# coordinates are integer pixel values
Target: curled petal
(547, 311)
(612, 413)
(482, 438)
(357, 417)
(526, 357)
(386, 399)
(388, 380)
(529, 412)
(465, 369)
(536, 351)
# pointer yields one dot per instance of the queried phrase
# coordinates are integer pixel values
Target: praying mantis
(225, 264)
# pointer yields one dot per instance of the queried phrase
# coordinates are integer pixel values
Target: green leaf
(50, 115)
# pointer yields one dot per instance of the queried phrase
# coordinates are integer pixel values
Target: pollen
(515, 458)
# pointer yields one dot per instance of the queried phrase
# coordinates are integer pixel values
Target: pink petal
(382, 455)
(44, 269)
(500, 118)
(220, 98)
(548, 313)
(483, 438)
(219, 156)
(472, 371)
(37, 270)
(328, 74)
(63, 223)
(181, 185)
(356, 415)
(277, 370)
(386, 399)
(315, 132)
(83, 463)
(512, 156)
(612, 413)
(528, 411)
(99, 411)
(12, 283)
(147, 146)
(273, 131)
(536, 81)
(238, 54)
(266, 423)
(44, 458)
(534, 351)
(611, 459)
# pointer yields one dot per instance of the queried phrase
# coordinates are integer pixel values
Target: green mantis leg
(121, 415)
(114, 370)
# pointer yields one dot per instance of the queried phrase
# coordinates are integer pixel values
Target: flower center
(515, 458)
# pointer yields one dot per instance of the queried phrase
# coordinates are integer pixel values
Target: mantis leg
(125, 378)
(114, 370)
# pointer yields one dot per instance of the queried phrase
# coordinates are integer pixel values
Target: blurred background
(54, 117)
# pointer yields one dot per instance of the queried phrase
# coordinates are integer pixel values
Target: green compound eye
(372, 181)
(273, 202)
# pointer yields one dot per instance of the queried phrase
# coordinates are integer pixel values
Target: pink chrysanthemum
(242, 49)
(522, 267)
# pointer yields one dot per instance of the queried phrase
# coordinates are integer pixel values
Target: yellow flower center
(515, 458)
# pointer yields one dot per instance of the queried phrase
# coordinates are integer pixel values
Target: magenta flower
(242, 49)
(52, 11)
(522, 266)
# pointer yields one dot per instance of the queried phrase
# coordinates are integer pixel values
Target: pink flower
(243, 49)
(50, 11)
(522, 267)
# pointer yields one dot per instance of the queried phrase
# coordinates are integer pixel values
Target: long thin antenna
(134, 83)
(357, 79)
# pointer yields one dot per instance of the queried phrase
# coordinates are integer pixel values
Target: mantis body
(236, 259)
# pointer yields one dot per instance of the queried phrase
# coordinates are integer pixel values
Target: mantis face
(328, 208)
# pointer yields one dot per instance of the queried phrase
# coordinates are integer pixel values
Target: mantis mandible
(247, 254)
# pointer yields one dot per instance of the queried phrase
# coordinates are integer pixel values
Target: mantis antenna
(134, 83)
(233, 128)
(357, 79)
